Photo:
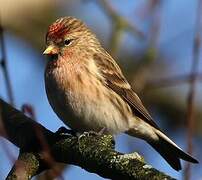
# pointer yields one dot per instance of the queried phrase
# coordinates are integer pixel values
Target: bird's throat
(52, 57)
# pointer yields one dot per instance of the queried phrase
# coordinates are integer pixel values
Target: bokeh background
(152, 41)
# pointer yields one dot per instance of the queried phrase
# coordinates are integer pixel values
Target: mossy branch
(95, 153)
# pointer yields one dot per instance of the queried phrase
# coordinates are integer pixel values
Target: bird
(88, 91)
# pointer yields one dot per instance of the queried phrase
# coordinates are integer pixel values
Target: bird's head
(69, 37)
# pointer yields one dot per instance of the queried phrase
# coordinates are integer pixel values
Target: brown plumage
(87, 90)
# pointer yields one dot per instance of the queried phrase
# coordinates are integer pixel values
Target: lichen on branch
(93, 152)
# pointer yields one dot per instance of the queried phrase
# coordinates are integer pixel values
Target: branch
(110, 11)
(94, 153)
(25, 167)
(3, 63)
(191, 97)
(173, 81)
(120, 25)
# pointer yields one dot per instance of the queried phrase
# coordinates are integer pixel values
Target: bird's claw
(92, 133)
(88, 134)
(62, 131)
(103, 131)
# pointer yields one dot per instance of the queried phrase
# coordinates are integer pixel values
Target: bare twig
(28, 109)
(154, 8)
(116, 17)
(120, 24)
(173, 81)
(3, 133)
(3, 143)
(3, 63)
(143, 72)
(192, 91)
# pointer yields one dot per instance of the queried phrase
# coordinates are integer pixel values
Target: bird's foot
(88, 133)
(92, 133)
(62, 131)
(103, 131)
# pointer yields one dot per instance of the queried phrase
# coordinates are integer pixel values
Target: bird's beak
(50, 50)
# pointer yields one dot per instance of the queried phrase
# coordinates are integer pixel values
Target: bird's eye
(67, 42)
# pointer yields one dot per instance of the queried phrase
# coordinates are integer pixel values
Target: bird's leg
(94, 133)
(88, 133)
(103, 131)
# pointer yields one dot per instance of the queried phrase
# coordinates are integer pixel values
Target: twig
(116, 17)
(4, 144)
(28, 109)
(192, 91)
(142, 73)
(120, 24)
(3, 63)
(173, 81)
(154, 7)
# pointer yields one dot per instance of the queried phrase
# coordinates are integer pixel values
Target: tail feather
(170, 151)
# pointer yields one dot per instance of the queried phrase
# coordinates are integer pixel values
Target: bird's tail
(170, 151)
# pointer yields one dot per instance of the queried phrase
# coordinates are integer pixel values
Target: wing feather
(116, 81)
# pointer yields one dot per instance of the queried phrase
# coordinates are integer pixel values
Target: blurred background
(157, 44)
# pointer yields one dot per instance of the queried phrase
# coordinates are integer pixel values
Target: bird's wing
(116, 81)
